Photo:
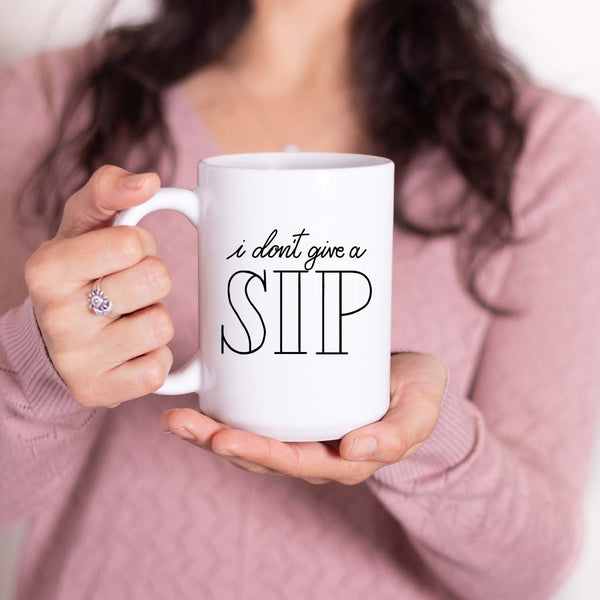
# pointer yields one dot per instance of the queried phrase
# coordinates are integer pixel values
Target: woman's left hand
(418, 382)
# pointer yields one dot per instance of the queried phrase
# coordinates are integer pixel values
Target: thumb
(418, 383)
(109, 190)
(401, 432)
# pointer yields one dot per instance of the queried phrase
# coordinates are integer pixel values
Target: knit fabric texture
(488, 508)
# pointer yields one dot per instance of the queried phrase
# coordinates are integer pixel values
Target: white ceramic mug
(295, 266)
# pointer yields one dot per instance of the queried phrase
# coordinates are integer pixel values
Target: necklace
(268, 125)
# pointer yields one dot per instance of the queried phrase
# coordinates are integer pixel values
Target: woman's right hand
(104, 361)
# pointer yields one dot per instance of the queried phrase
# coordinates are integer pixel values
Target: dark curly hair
(427, 73)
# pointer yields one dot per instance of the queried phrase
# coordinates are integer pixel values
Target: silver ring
(99, 303)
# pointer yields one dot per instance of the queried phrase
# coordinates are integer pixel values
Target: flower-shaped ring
(98, 302)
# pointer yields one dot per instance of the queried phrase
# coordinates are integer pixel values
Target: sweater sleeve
(492, 501)
(44, 433)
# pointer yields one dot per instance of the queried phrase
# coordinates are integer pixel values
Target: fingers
(142, 285)
(315, 462)
(109, 190)
(102, 368)
(312, 461)
(246, 465)
(195, 427)
(133, 379)
(60, 267)
(191, 424)
(133, 335)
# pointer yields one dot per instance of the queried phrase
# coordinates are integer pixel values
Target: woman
(471, 485)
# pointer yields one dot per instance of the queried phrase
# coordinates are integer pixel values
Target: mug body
(295, 264)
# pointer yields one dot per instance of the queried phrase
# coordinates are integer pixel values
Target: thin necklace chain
(269, 126)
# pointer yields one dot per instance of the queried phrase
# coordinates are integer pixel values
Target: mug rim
(279, 161)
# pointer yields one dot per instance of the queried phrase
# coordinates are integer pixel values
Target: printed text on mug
(244, 284)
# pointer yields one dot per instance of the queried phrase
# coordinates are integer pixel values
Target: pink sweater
(488, 508)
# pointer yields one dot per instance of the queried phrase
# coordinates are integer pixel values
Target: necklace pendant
(291, 148)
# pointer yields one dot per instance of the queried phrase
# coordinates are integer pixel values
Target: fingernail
(363, 447)
(134, 181)
(184, 433)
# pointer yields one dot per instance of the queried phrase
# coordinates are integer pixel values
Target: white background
(558, 41)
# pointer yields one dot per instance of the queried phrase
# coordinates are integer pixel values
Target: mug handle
(187, 202)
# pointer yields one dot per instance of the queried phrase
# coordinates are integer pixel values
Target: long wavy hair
(427, 74)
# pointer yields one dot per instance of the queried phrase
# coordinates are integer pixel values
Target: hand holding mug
(294, 292)
(104, 361)
(417, 387)
(107, 361)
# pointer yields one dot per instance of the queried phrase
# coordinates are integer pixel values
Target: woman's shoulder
(562, 146)
(60, 62)
(33, 90)
(556, 123)
(42, 80)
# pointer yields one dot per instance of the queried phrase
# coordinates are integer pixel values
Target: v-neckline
(191, 116)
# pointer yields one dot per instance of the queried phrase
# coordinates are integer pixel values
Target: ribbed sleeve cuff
(452, 441)
(45, 392)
